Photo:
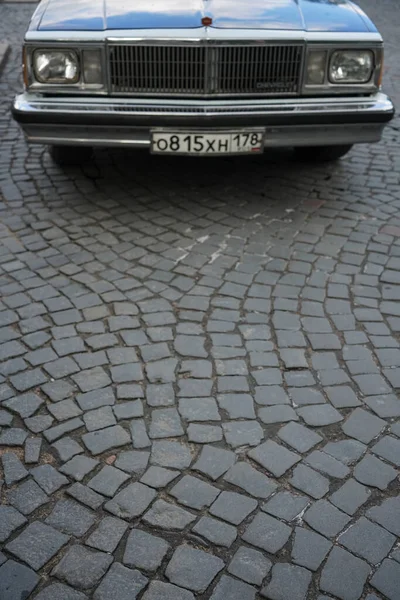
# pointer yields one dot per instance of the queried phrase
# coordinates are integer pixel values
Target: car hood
(300, 15)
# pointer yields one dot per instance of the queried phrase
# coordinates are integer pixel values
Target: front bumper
(101, 121)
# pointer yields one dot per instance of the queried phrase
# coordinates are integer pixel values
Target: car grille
(228, 70)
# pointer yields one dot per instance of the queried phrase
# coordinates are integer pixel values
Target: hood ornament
(206, 21)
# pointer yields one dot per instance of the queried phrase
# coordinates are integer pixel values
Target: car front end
(219, 88)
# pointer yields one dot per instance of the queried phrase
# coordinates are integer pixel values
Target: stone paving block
(164, 515)
(62, 367)
(171, 454)
(99, 418)
(27, 497)
(285, 505)
(214, 462)
(242, 433)
(158, 477)
(96, 399)
(277, 414)
(327, 464)
(237, 406)
(144, 551)
(92, 379)
(70, 518)
(193, 492)
(13, 468)
(139, 436)
(64, 410)
(367, 540)
(309, 481)
(215, 531)
(61, 592)
(319, 415)
(99, 441)
(347, 451)
(58, 431)
(344, 575)
(16, 581)
(10, 520)
(350, 496)
(82, 568)
(249, 565)
(373, 472)
(267, 533)
(326, 518)
(128, 410)
(160, 395)
(305, 395)
(165, 423)
(27, 380)
(204, 434)
(131, 502)
(363, 426)
(122, 582)
(37, 544)
(385, 406)
(342, 396)
(85, 495)
(6, 418)
(133, 461)
(33, 448)
(49, 479)
(372, 385)
(158, 590)
(108, 480)
(387, 579)
(58, 390)
(39, 423)
(388, 448)
(233, 507)
(309, 548)
(25, 405)
(253, 482)
(299, 437)
(228, 587)
(387, 514)
(193, 569)
(274, 458)
(288, 581)
(79, 466)
(270, 395)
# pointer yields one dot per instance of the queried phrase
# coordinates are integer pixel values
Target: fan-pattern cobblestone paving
(199, 370)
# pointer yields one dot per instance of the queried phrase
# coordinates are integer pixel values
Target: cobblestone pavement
(198, 370)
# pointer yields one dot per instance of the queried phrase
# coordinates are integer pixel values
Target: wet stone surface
(199, 369)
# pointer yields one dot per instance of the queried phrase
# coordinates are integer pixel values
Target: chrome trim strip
(34, 103)
(197, 35)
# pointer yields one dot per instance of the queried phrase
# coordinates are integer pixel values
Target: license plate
(207, 143)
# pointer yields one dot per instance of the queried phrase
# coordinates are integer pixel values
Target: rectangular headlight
(56, 66)
(351, 66)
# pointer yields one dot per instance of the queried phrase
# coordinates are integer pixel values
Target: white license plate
(207, 143)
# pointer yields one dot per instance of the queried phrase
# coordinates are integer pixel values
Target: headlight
(56, 66)
(351, 66)
(92, 72)
(316, 67)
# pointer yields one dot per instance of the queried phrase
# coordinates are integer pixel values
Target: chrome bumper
(101, 121)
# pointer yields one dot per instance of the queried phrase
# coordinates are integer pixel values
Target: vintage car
(202, 77)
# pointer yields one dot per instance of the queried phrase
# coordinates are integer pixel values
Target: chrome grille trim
(261, 70)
